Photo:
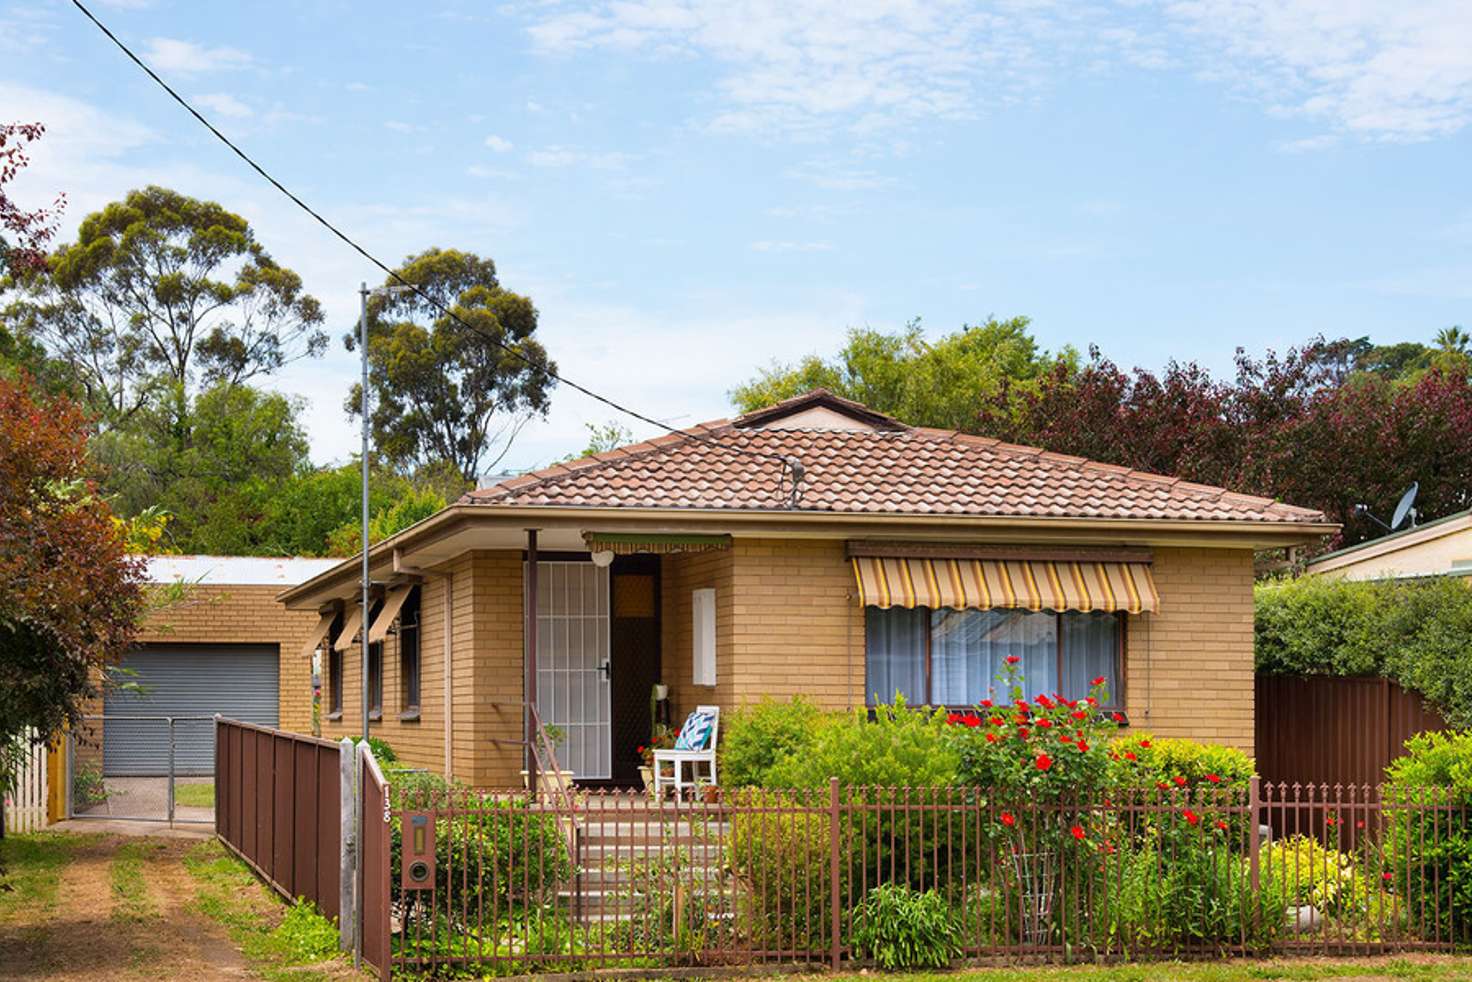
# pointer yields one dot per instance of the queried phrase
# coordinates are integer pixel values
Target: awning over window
(629, 543)
(349, 630)
(386, 613)
(983, 584)
(314, 640)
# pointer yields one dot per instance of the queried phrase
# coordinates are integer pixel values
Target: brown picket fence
(517, 882)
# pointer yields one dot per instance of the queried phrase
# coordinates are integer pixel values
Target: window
(334, 684)
(409, 656)
(703, 636)
(953, 657)
(375, 680)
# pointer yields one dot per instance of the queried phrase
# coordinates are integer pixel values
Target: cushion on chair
(695, 734)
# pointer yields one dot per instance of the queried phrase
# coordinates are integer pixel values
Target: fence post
(347, 771)
(835, 948)
(1254, 830)
(170, 721)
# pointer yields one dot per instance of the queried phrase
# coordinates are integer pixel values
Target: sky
(691, 190)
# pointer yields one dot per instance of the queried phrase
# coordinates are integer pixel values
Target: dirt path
(89, 934)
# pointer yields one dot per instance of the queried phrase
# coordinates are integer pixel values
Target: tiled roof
(904, 471)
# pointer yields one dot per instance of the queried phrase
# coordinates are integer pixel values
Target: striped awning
(1023, 584)
(633, 543)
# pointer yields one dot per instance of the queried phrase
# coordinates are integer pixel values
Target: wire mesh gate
(142, 768)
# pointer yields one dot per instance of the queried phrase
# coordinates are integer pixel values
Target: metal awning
(386, 613)
(314, 640)
(349, 627)
(1021, 584)
(629, 543)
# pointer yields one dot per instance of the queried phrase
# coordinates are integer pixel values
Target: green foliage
(758, 737)
(1418, 632)
(382, 752)
(305, 935)
(925, 383)
(602, 437)
(414, 505)
(1334, 883)
(440, 392)
(899, 928)
(1143, 760)
(1430, 833)
(899, 747)
(783, 863)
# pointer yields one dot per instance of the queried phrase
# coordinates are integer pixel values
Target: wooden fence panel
(1332, 730)
(279, 809)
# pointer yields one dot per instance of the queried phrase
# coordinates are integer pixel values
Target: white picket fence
(25, 807)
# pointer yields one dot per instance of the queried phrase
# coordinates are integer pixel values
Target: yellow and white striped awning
(1019, 584)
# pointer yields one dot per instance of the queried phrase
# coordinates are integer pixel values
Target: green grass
(194, 795)
(280, 945)
(30, 869)
(1440, 969)
(131, 901)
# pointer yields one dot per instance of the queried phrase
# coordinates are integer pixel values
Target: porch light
(603, 558)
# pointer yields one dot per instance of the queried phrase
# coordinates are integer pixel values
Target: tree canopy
(926, 383)
(440, 391)
(70, 596)
(162, 291)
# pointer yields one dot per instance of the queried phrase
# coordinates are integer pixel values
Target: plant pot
(547, 785)
(646, 774)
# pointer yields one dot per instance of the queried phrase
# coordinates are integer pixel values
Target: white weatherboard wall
(25, 807)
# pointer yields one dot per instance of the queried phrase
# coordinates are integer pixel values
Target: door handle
(604, 668)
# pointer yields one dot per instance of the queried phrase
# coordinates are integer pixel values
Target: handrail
(545, 753)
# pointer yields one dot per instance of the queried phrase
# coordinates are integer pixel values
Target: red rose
(953, 718)
(1221, 826)
(986, 704)
(1145, 744)
(1045, 723)
(1022, 733)
(991, 737)
(1078, 832)
(997, 721)
(1331, 821)
(1214, 779)
(1180, 781)
(1008, 819)
(1083, 748)
(1130, 756)
(1043, 762)
(1092, 701)
(1162, 785)
(1098, 681)
(1079, 714)
(1022, 705)
(1387, 877)
(1360, 824)
(1191, 816)
(973, 720)
(1013, 659)
(1065, 738)
(1045, 702)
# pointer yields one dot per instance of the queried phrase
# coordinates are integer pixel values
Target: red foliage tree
(70, 595)
(1303, 428)
(24, 235)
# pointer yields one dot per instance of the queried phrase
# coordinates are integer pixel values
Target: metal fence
(280, 809)
(486, 881)
(142, 768)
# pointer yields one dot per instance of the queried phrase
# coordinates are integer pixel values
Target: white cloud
(837, 176)
(172, 55)
(1390, 70)
(768, 245)
(561, 156)
(399, 126)
(499, 144)
(223, 104)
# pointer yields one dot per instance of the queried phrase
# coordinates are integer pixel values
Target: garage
(240, 681)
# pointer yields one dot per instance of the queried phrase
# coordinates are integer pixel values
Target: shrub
(1429, 839)
(382, 752)
(898, 747)
(899, 928)
(782, 862)
(755, 738)
(1333, 883)
(1143, 760)
(1414, 631)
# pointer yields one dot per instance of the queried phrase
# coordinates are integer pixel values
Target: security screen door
(572, 664)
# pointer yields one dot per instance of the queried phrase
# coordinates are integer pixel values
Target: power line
(786, 462)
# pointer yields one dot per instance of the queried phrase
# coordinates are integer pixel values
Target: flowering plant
(662, 737)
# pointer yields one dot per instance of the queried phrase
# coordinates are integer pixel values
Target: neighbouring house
(1439, 548)
(815, 547)
(224, 645)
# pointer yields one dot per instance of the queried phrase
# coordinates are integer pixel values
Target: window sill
(333, 717)
(374, 715)
(409, 715)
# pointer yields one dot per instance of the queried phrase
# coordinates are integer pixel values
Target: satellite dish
(1404, 509)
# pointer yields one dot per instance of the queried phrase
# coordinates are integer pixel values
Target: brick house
(813, 547)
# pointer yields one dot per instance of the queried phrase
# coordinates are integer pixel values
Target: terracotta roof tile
(895, 471)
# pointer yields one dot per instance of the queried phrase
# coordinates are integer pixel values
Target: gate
(165, 785)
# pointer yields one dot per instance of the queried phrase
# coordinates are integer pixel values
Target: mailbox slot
(418, 851)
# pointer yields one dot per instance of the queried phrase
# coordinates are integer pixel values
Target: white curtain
(894, 646)
(969, 648)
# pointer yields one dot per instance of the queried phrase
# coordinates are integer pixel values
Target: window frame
(334, 683)
(375, 680)
(410, 626)
(1116, 701)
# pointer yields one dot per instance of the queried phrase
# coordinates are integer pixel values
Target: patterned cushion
(695, 734)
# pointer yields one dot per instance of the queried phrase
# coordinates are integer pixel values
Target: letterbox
(418, 854)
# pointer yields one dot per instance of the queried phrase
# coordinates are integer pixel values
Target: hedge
(1417, 632)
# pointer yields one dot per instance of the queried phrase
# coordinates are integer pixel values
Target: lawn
(1437, 968)
(195, 795)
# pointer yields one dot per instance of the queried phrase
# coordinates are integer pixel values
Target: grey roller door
(238, 681)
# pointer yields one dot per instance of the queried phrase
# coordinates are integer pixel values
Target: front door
(572, 664)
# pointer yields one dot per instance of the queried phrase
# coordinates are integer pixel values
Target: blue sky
(689, 190)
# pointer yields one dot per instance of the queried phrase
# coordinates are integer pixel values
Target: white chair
(677, 759)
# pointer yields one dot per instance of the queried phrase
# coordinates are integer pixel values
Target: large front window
(947, 657)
